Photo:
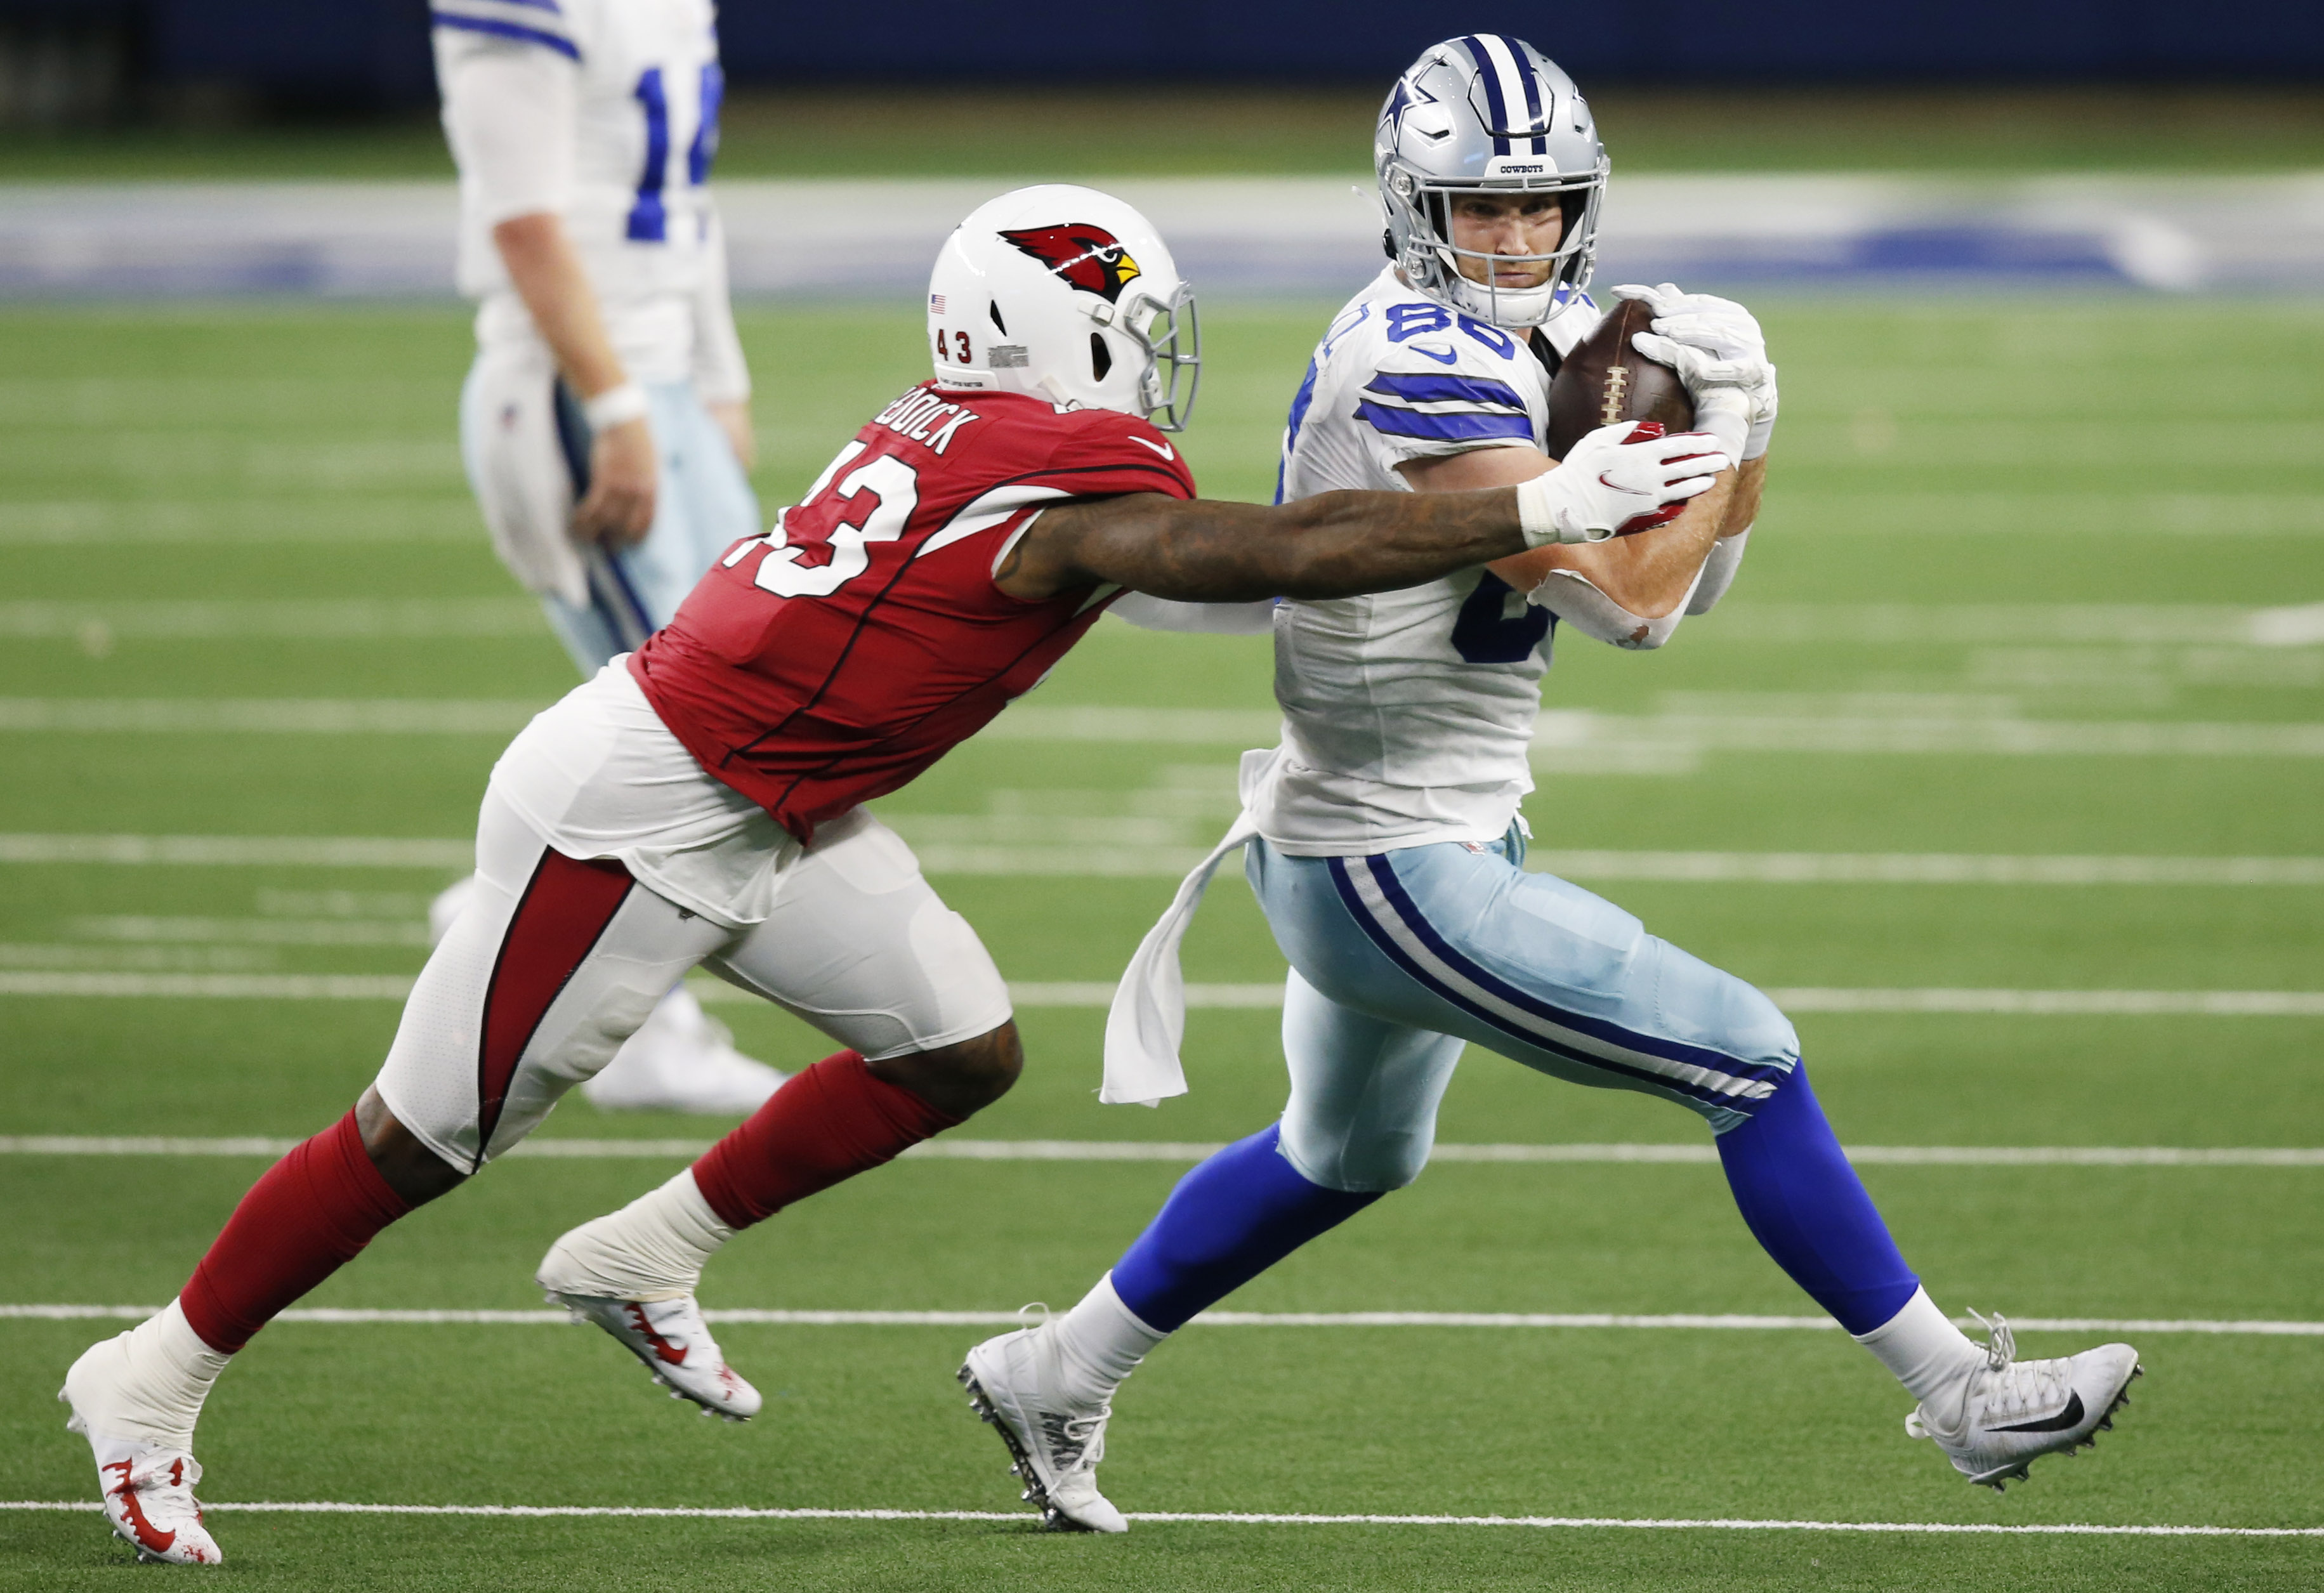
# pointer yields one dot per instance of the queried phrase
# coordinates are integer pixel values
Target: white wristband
(1538, 502)
(616, 406)
(1726, 414)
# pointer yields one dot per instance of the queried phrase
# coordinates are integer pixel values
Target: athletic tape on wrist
(1725, 414)
(616, 406)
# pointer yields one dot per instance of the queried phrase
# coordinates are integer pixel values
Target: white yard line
(340, 620)
(1139, 853)
(1188, 1151)
(1099, 993)
(268, 715)
(1217, 1517)
(1856, 624)
(305, 851)
(1666, 742)
(745, 1317)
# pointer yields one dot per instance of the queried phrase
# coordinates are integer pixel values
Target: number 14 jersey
(831, 660)
(1408, 715)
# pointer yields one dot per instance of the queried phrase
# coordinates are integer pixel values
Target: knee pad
(1369, 1161)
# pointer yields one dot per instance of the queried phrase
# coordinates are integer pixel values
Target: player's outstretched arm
(1343, 544)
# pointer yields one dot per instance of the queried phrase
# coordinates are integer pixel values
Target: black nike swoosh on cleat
(2071, 1416)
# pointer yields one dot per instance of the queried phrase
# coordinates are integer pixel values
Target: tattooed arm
(1334, 544)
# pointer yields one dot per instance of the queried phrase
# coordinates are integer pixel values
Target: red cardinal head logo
(1086, 257)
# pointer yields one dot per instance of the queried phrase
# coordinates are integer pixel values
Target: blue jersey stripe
(1428, 389)
(1454, 428)
(1299, 402)
(1383, 875)
(500, 30)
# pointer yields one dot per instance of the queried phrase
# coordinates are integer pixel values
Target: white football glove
(1711, 343)
(1617, 481)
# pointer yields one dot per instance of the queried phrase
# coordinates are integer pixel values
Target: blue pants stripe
(1383, 874)
(1543, 1036)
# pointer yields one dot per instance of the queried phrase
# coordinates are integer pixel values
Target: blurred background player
(1386, 846)
(607, 423)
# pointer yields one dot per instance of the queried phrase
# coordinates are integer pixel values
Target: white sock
(654, 1248)
(1102, 1341)
(1929, 1355)
(163, 1373)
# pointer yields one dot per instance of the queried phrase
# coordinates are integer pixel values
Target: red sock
(825, 1125)
(307, 1217)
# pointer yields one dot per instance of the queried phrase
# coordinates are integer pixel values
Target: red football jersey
(832, 660)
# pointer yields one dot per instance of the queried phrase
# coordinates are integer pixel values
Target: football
(1605, 379)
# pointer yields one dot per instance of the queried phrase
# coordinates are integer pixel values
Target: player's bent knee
(960, 1079)
(1360, 1164)
(410, 1169)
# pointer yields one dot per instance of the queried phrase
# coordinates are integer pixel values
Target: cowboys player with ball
(699, 801)
(606, 421)
(1383, 837)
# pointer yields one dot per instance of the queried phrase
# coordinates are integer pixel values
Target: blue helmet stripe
(1491, 77)
(1532, 81)
(1457, 428)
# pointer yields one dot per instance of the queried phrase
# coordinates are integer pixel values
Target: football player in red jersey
(701, 802)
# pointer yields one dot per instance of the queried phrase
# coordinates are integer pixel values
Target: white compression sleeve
(1209, 619)
(720, 375)
(1577, 601)
(510, 112)
(1718, 572)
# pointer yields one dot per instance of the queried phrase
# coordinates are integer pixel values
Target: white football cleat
(681, 1059)
(148, 1488)
(2012, 1412)
(1053, 1444)
(673, 1342)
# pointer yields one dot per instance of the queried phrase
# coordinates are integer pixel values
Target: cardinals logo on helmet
(1086, 257)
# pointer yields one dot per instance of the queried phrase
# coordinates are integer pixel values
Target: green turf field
(1992, 523)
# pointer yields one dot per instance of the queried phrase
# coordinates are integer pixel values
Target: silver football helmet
(1488, 113)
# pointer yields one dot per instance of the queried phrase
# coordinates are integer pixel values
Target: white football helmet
(1067, 294)
(1488, 113)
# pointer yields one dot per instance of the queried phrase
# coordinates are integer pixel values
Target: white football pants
(556, 961)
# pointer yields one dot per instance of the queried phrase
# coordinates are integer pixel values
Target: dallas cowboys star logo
(1407, 95)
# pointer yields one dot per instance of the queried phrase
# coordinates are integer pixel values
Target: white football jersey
(647, 98)
(1408, 715)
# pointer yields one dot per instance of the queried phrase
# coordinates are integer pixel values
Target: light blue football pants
(1401, 957)
(703, 505)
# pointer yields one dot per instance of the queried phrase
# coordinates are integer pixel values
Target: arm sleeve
(721, 377)
(1576, 600)
(1207, 619)
(510, 110)
(1718, 572)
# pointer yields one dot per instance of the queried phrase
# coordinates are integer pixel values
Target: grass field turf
(299, 457)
